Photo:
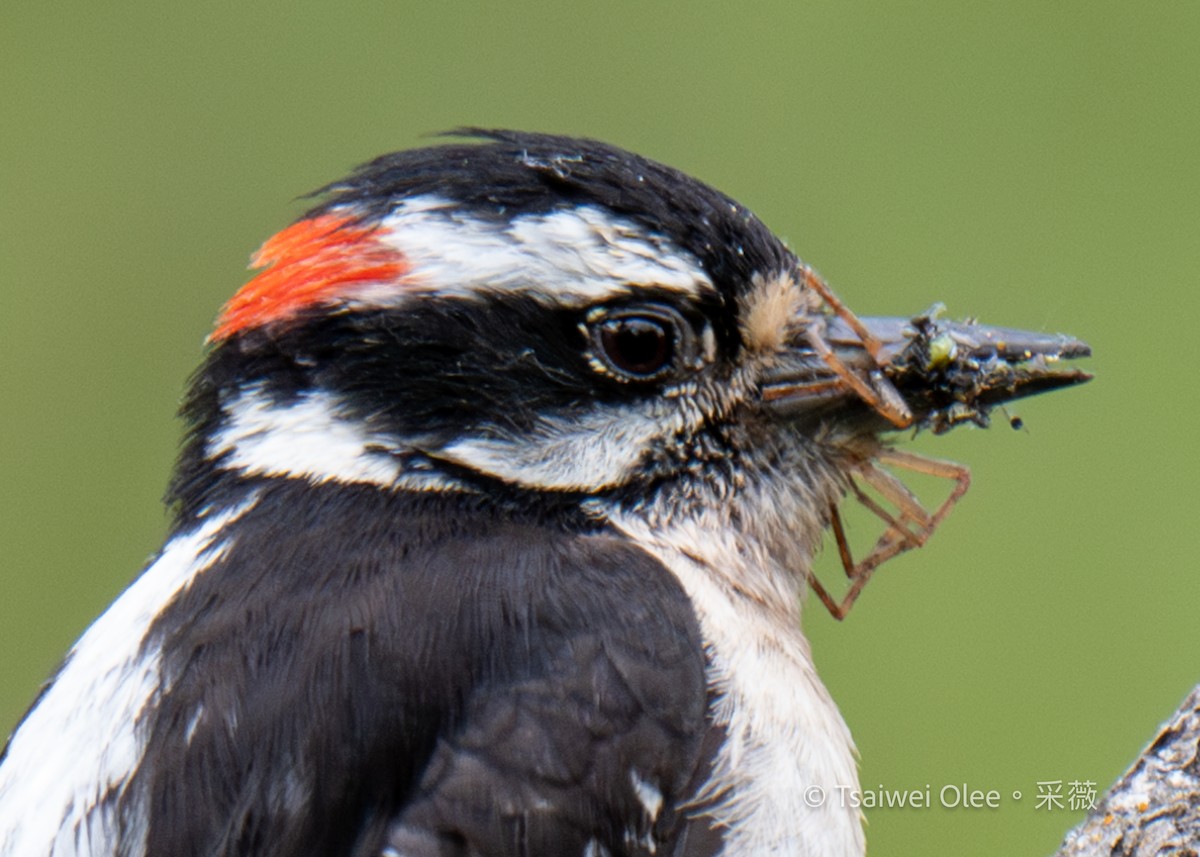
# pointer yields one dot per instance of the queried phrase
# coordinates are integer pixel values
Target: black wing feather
(363, 668)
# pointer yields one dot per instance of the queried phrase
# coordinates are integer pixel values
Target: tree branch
(1154, 809)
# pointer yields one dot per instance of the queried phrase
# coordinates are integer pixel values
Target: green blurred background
(1029, 163)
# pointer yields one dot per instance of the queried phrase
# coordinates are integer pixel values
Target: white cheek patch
(307, 439)
(587, 452)
(575, 256)
(80, 742)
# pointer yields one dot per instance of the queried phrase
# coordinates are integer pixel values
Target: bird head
(556, 324)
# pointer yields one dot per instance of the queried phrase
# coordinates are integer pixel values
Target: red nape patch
(308, 263)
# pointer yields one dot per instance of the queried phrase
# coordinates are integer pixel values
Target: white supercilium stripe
(781, 780)
(81, 742)
(582, 254)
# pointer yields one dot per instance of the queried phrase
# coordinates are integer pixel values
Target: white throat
(788, 754)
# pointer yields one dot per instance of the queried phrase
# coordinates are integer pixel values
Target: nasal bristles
(312, 262)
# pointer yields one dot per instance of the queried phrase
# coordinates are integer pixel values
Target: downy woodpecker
(498, 500)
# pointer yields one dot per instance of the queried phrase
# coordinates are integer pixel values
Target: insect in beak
(922, 372)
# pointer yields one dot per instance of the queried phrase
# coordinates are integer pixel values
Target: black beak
(921, 371)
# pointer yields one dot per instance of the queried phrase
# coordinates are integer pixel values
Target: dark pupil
(639, 346)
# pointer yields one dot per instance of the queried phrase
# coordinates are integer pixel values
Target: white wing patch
(80, 744)
(649, 795)
(581, 255)
(595, 849)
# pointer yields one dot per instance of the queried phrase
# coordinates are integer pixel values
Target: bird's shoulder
(436, 672)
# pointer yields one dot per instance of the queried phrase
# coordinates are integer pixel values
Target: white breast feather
(784, 732)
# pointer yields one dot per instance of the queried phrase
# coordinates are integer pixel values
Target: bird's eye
(639, 343)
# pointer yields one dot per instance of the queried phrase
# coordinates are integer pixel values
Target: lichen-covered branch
(1154, 809)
